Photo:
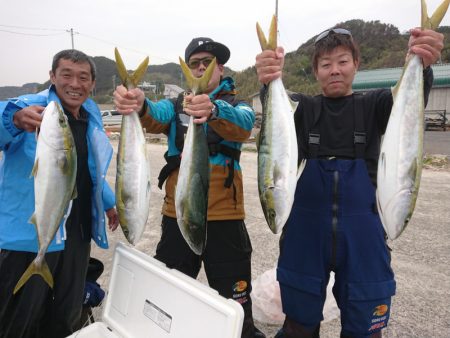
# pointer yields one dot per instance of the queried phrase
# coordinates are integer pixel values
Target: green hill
(382, 45)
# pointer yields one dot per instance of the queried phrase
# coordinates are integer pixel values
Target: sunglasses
(194, 63)
(324, 34)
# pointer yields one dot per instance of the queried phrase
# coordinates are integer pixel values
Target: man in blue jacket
(37, 310)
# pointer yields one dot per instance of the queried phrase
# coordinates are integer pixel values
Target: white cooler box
(146, 299)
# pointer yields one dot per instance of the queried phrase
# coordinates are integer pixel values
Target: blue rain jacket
(17, 185)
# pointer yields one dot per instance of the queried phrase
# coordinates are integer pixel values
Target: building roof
(172, 87)
(388, 77)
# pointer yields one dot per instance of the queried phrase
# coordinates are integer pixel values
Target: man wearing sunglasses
(227, 256)
(334, 225)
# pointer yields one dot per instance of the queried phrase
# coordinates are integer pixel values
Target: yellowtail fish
(400, 161)
(133, 164)
(191, 192)
(278, 169)
(55, 172)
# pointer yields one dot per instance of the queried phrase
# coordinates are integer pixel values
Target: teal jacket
(231, 126)
(17, 186)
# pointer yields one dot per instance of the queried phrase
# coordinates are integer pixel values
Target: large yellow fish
(400, 161)
(133, 164)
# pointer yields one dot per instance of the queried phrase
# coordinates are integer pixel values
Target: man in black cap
(229, 122)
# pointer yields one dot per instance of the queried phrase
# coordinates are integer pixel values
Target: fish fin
(257, 139)
(63, 164)
(436, 18)
(32, 219)
(36, 134)
(35, 168)
(270, 44)
(123, 74)
(206, 77)
(130, 81)
(383, 162)
(187, 73)
(140, 72)
(33, 269)
(413, 169)
(198, 85)
(74, 193)
(301, 167)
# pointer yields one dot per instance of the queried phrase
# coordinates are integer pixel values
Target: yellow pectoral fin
(32, 219)
(35, 168)
(74, 193)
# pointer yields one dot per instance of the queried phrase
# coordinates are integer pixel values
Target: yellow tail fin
(198, 85)
(37, 267)
(436, 18)
(272, 43)
(130, 81)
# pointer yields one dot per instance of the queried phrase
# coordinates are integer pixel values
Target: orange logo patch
(380, 310)
(240, 286)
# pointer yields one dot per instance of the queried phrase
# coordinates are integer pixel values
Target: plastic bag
(266, 300)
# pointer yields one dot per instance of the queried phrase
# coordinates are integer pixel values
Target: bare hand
(199, 106)
(113, 218)
(28, 118)
(427, 44)
(128, 101)
(269, 65)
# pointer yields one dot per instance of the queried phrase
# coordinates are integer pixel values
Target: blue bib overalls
(333, 226)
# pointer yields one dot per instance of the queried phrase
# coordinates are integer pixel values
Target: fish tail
(35, 268)
(130, 81)
(198, 85)
(272, 42)
(436, 18)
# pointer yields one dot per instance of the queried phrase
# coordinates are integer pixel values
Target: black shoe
(280, 334)
(259, 334)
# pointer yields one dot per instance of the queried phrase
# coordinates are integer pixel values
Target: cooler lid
(147, 299)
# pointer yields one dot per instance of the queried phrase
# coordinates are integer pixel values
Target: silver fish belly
(191, 192)
(133, 187)
(54, 172)
(277, 157)
(400, 161)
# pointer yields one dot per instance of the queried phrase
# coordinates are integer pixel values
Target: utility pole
(71, 36)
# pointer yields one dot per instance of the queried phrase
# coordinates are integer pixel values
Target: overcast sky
(32, 31)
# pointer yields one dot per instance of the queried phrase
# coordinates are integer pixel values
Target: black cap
(221, 52)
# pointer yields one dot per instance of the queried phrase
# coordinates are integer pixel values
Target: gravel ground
(420, 257)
